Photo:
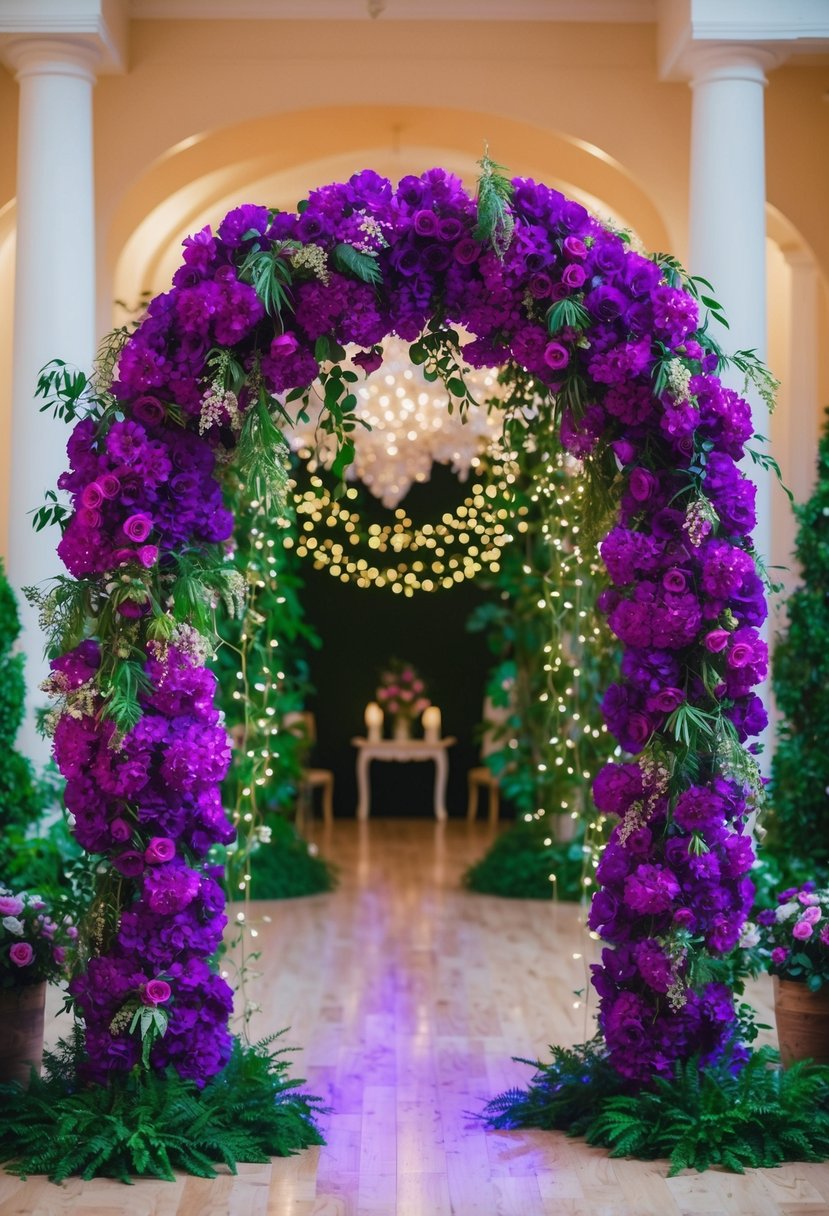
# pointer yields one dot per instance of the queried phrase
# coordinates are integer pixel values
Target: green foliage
(269, 273)
(799, 823)
(362, 265)
(23, 797)
(495, 220)
(287, 867)
(438, 351)
(756, 1115)
(519, 864)
(147, 1124)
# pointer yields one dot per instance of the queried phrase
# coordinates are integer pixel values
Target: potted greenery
(33, 950)
(796, 936)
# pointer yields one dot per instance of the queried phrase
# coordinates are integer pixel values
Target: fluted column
(54, 306)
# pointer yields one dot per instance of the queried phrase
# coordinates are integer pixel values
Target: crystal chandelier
(408, 428)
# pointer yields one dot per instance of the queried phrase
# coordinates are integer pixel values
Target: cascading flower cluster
(258, 312)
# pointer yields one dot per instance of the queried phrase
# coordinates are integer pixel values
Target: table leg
(441, 773)
(363, 785)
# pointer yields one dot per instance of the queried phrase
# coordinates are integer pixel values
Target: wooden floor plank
(408, 995)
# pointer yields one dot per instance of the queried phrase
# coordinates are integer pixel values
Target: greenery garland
(554, 661)
(263, 678)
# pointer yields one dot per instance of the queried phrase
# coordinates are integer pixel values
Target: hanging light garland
(404, 557)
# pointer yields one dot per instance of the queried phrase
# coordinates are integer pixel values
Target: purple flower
(157, 992)
(160, 849)
(138, 527)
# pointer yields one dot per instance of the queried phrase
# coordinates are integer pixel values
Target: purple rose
(368, 360)
(779, 955)
(574, 276)
(156, 992)
(425, 223)
(716, 640)
(160, 848)
(283, 345)
(642, 484)
(148, 555)
(467, 251)
(130, 863)
(120, 831)
(92, 496)
(675, 581)
(138, 527)
(556, 356)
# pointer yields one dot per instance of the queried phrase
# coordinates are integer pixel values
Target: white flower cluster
(219, 407)
(312, 258)
(679, 380)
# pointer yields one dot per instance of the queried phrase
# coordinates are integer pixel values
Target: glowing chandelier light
(408, 428)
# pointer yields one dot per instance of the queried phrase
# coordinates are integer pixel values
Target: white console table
(402, 751)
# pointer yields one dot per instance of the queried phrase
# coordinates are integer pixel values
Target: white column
(54, 301)
(804, 415)
(727, 209)
(728, 222)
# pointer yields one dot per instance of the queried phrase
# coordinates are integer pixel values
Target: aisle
(407, 996)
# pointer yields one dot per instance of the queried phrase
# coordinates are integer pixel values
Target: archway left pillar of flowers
(188, 408)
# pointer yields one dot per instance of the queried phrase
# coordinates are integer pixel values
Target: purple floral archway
(259, 316)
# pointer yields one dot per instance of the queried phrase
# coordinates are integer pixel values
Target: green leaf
(353, 261)
(495, 224)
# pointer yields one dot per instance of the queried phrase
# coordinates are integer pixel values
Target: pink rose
(10, 905)
(802, 931)
(160, 848)
(716, 640)
(575, 246)
(21, 954)
(148, 555)
(156, 992)
(812, 915)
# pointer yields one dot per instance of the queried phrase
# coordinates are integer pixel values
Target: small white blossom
(12, 925)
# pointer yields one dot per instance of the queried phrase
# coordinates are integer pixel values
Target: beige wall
(213, 113)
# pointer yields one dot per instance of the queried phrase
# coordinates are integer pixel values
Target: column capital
(53, 56)
(87, 35)
(711, 61)
(690, 28)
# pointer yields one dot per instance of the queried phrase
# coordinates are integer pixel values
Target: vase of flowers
(796, 936)
(401, 693)
(33, 950)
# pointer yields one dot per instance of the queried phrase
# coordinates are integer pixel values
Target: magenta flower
(160, 848)
(10, 905)
(138, 527)
(802, 931)
(556, 356)
(156, 992)
(21, 954)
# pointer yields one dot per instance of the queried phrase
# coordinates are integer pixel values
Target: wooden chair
(304, 725)
(482, 777)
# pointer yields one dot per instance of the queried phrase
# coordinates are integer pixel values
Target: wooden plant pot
(802, 1022)
(21, 1031)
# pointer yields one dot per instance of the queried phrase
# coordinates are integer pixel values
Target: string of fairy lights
(406, 558)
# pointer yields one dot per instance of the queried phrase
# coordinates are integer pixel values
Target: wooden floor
(408, 996)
